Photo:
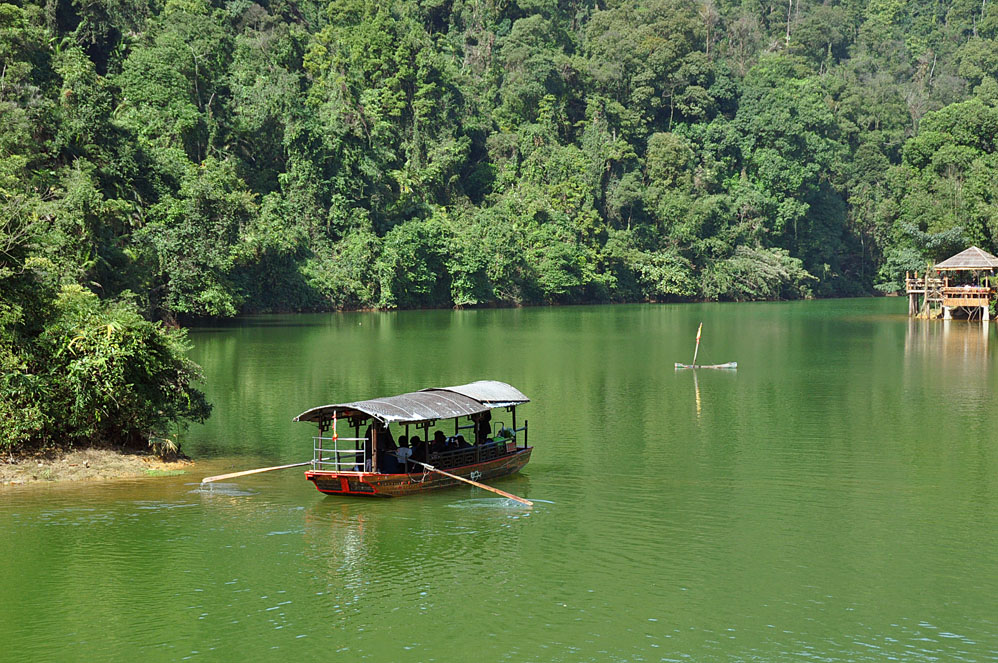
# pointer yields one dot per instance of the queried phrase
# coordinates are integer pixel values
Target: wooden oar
(256, 471)
(474, 483)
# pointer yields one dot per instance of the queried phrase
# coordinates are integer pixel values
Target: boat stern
(343, 483)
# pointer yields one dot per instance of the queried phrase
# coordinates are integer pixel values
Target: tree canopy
(173, 159)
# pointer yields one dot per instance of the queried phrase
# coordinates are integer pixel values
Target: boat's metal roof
(490, 392)
(426, 405)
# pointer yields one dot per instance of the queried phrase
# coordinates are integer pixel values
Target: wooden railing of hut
(937, 291)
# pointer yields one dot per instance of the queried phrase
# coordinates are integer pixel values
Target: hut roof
(972, 259)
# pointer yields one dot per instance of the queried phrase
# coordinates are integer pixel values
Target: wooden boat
(369, 465)
(729, 365)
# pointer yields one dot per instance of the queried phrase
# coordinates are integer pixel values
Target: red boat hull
(371, 484)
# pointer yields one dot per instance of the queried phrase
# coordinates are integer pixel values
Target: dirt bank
(85, 465)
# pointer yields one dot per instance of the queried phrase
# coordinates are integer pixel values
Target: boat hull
(372, 484)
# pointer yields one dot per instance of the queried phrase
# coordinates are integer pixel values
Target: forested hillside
(213, 158)
(164, 160)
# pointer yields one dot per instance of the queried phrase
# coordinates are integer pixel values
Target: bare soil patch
(85, 465)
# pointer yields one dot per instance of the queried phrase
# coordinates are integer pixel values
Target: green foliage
(215, 158)
(171, 88)
(199, 237)
(410, 266)
(119, 377)
(755, 273)
(96, 371)
(944, 192)
(658, 275)
(343, 273)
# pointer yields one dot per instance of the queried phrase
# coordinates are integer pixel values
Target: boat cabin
(394, 439)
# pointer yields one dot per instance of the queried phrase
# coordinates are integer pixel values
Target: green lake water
(834, 499)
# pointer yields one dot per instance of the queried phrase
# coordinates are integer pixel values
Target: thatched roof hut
(969, 260)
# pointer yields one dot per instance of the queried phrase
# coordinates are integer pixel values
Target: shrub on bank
(83, 371)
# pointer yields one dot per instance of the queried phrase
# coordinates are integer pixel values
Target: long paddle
(474, 483)
(256, 471)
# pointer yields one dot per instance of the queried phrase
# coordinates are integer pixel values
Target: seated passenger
(387, 462)
(385, 436)
(419, 450)
(439, 443)
(402, 454)
(461, 443)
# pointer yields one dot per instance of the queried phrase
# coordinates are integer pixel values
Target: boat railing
(478, 453)
(327, 455)
(522, 429)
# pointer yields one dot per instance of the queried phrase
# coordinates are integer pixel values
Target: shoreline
(196, 322)
(77, 465)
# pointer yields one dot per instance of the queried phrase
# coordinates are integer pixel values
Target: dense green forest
(172, 160)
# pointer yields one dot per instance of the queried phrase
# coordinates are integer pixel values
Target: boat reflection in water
(359, 552)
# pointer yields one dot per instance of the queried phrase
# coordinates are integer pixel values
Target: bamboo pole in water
(697, 348)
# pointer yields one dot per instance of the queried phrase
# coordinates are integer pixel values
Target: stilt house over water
(960, 285)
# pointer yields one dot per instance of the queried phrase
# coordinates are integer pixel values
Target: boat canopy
(488, 392)
(426, 405)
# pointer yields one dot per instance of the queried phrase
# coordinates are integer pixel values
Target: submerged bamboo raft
(696, 350)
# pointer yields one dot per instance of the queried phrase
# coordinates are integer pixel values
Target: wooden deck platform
(931, 297)
(967, 296)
